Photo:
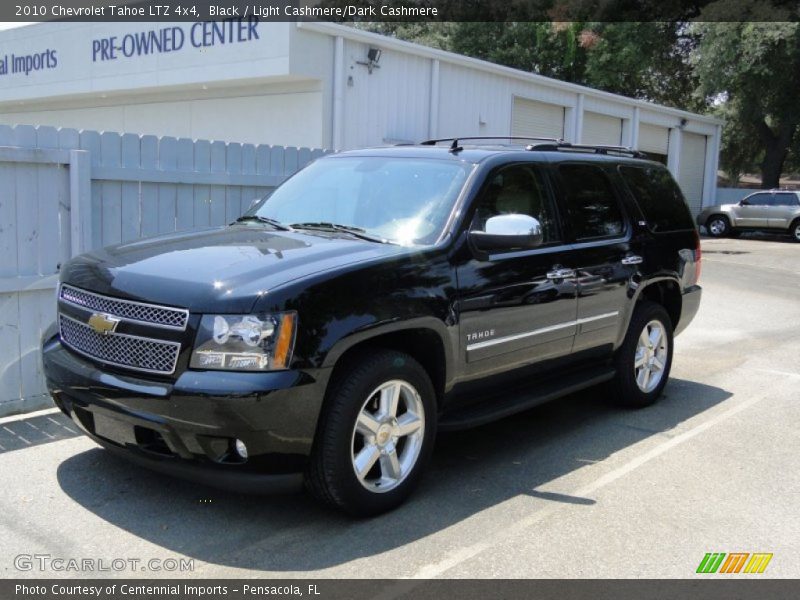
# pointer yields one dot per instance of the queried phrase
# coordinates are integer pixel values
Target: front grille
(122, 350)
(152, 314)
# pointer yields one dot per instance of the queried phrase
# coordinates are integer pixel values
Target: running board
(497, 407)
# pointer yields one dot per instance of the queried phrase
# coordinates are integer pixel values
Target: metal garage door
(653, 139)
(538, 119)
(601, 129)
(692, 168)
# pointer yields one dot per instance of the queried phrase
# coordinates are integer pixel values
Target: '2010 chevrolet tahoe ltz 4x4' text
(373, 299)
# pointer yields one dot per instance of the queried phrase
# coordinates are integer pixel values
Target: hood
(221, 269)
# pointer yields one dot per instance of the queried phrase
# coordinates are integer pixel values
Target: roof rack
(598, 149)
(456, 140)
(543, 144)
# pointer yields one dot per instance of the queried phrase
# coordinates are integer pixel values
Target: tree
(643, 60)
(751, 73)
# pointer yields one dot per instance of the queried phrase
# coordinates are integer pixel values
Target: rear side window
(786, 199)
(592, 206)
(659, 197)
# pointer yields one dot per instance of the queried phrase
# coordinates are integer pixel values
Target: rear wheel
(375, 435)
(718, 226)
(644, 360)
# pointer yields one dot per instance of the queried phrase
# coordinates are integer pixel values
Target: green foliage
(750, 73)
(643, 60)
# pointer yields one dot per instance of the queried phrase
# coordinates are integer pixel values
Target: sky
(12, 25)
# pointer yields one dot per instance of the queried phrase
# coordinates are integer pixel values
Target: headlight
(245, 343)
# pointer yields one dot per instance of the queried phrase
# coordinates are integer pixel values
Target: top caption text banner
(401, 10)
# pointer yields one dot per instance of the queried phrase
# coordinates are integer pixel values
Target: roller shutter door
(653, 138)
(537, 119)
(601, 130)
(692, 168)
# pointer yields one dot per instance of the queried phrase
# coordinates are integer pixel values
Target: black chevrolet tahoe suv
(376, 298)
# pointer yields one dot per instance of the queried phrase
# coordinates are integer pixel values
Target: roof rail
(596, 149)
(543, 144)
(456, 140)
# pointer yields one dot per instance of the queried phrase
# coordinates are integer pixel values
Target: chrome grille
(152, 314)
(122, 350)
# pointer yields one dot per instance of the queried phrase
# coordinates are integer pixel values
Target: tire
(794, 230)
(639, 386)
(718, 226)
(358, 428)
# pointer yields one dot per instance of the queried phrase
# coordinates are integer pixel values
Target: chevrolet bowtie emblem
(103, 323)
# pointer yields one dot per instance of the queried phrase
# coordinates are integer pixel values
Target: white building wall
(389, 105)
(254, 117)
(311, 57)
(473, 102)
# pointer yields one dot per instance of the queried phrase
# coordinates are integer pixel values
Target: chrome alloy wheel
(652, 352)
(797, 232)
(717, 226)
(387, 437)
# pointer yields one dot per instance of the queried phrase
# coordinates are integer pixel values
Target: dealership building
(319, 85)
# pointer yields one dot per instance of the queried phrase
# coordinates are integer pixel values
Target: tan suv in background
(773, 210)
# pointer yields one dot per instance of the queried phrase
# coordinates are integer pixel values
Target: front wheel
(644, 360)
(718, 226)
(375, 435)
(794, 230)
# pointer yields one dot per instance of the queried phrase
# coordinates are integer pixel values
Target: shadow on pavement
(33, 431)
(471, 471)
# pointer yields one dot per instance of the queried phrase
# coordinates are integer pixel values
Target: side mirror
(744, 202)
(506, 232)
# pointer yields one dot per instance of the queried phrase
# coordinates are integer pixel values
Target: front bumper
(186, 428)
(690, 304)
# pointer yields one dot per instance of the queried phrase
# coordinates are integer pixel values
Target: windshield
(403, 200)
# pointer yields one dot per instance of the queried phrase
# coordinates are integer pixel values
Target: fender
(448, 336)
(635, 293)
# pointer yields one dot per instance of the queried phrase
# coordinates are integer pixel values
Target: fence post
(80, 200)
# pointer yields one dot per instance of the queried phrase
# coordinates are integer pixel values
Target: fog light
(240, 448)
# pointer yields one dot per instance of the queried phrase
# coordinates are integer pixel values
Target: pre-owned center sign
(175, 39)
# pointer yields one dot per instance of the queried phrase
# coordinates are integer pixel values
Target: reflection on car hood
(220, 269)
(719, 207)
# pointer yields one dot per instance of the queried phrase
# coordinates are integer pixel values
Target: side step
(519, 399)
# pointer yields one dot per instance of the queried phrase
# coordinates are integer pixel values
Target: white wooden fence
(63, 192)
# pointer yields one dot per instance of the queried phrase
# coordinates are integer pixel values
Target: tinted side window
(659, 198)
(786, 199)
(759, 200)
(592, 206)
(518, 189)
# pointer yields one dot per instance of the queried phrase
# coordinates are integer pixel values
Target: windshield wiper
(354, 231)
(276, 224)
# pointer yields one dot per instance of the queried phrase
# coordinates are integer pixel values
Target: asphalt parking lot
(571, 489)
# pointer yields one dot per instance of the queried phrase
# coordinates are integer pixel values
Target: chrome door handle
(632, 260)
(561, 273)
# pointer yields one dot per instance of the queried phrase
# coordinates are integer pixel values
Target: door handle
(633, 259)
(561, 273)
